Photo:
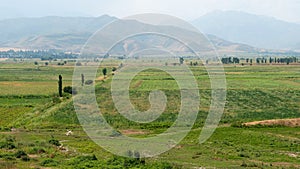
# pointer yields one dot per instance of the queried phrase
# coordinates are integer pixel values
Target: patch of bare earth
(3, 59)
(133, 132)
(285, 164)
(138, 84)
(281, 122)
(100, 78)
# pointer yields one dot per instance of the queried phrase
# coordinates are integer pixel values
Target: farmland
(29, 104)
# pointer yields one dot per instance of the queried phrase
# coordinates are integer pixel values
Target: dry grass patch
(280, 122)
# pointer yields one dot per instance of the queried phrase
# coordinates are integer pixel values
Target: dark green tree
(257, 60)
(181, 60)
(60, 85)
(82, 79)
(70, 90)
(104, 71)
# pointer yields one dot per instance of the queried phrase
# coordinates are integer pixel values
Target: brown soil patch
(3, 59)
(100, 78)
(234, 73)
(138, 84)
(285, 164)
(16, 84)
(33, 156)
(282, 122)
(133, 132)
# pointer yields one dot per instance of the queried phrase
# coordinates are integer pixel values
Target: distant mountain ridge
(49, 32)
(71, 33)
(255, 30)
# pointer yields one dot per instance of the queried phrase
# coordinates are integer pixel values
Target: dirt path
(282, 122)
(133, 132)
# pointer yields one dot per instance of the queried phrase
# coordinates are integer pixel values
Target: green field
(29, 104)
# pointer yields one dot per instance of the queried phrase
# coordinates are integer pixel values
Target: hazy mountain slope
(25, 29)
(254, 30)
(71, 33)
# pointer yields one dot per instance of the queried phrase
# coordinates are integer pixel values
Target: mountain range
(255, 30)
(229, 31)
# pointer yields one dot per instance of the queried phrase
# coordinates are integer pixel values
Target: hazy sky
(288, 10)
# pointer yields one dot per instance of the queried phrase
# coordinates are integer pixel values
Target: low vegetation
(34, 119)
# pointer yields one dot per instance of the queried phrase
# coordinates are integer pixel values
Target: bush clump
(54, 141)
(89, 82)
(20, 153)
(8, 143)
(70, 90)
(49, 163)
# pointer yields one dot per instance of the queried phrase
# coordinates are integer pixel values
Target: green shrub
(237, 124)
(37, 150)
(86, 158)
(115, 134)
(56, 100)
(245, 155)
(7, 156)
(89, 82)
(162, 165)
(70, 90)
(8, 143)
(25, 158)
(86, 162)
(54, 141)
(49, 163)
(20, 154)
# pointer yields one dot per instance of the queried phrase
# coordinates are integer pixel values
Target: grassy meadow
(34, 119)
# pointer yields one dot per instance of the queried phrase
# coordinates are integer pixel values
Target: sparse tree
(181, 60)
(137, 155)
(129, 153)
(104, 71)
(247, 60)
(82, 79)
(113, 70)
(89, 82)
(257, 60)
(70, 90)
(60, 85)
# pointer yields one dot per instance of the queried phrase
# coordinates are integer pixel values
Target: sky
(287, 10)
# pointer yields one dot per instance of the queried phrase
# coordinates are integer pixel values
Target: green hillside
(39, 118)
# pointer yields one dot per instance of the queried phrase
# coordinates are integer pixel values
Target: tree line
(42, 54)
(260, 60)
